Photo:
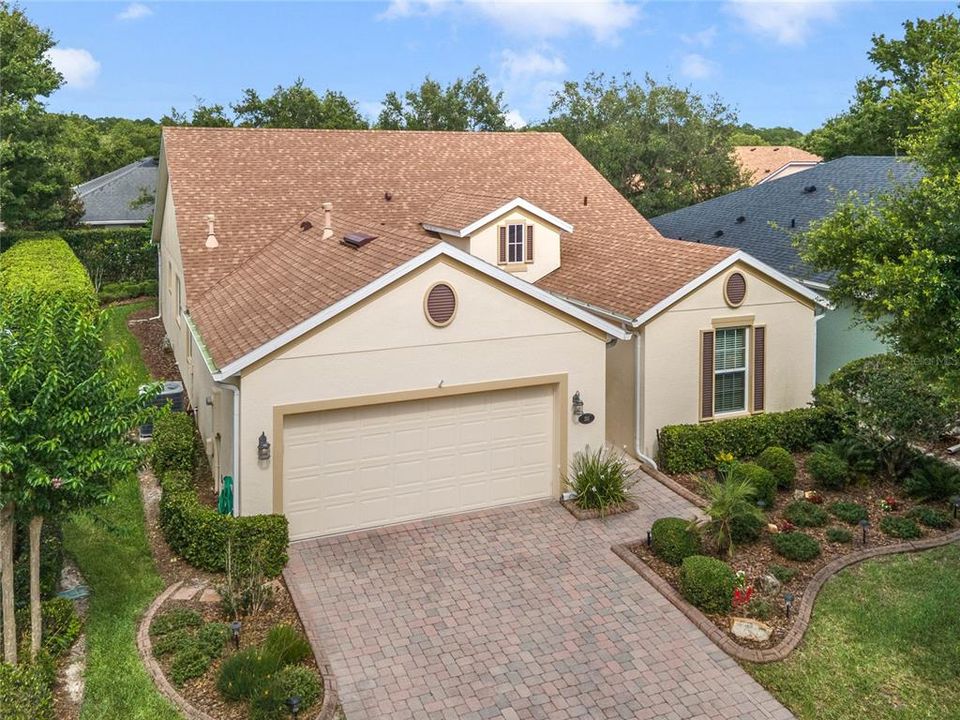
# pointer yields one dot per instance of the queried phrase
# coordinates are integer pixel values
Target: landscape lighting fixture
(788, 601)
(235, 633)
(864, 524)
(955, 501)
(293, 704)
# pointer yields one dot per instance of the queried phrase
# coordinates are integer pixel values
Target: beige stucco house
(376, 327)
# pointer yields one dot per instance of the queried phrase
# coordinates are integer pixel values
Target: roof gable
(449, 214)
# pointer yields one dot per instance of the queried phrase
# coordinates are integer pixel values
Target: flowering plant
(814, 497)
(889, 503)
(785, 526)
(741, 596)
(725, 462)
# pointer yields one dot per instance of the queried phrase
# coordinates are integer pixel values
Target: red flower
(741, 596)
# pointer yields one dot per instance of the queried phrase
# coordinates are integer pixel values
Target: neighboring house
(354, 319)
(124, 197)
(769, 162)
(763, 220)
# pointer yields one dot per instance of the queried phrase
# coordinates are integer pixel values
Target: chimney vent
(327, 220)
(358, 239)
(212, 241)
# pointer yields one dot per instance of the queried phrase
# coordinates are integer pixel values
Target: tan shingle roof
(456, 210)
(267, 275)
(761, 160)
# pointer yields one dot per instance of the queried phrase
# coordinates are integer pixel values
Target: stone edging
(145, 647)
(673, 485)
(580, 514)
(803, 610)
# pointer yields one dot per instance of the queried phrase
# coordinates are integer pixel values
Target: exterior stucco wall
(670, 379)
(621, 393)
(387, 345)
(213, 407)
(485, 244)
(840, 341)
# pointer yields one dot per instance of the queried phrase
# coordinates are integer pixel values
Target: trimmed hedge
(174, 444)
(779, 462)
(707, 583)
(199, 534)
(26, 690)
(763, 481)
(689, 448)
(110, 255)
(46, 269)
(672, 540)
(112, 292)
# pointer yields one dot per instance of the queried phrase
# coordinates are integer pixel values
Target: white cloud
(78, 66)
(134, 11)
(370, 109)
(515, 119)
(696, 66)
(703, 38)
(604, 19)
(788, 23)
(531, 63)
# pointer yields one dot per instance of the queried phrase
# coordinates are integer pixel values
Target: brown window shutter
(706, 375)
(759, 366)
(529, 257)
(503, 244)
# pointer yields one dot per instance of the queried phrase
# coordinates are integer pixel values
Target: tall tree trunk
(6, 584)
(36, 619)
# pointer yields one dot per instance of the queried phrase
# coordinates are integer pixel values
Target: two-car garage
(390, 462)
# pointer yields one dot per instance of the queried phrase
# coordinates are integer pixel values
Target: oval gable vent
(440, 304)
(735, 289)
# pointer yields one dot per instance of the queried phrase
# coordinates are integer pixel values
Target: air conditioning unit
(171, 394)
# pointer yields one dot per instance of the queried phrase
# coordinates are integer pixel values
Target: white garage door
(380, 464)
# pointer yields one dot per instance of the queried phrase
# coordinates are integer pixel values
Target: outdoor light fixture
(263, 447)
(293, 704)
(788, 601)
(235, 633)
(864, 524)
(762, 504)
(577, 404)
(649, 538)
(955, 501)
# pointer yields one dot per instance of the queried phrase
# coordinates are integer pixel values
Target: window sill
(514, 267)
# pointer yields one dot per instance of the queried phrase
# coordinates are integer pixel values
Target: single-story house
(768, 162)
(122, 198)
(375, 327)
(763, 220)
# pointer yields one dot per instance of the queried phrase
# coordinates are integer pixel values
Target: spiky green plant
(727, 503)
(601, 479)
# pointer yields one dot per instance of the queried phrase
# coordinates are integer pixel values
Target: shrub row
(111, 292)
(110, 255)
(689, 448)
(45, 269)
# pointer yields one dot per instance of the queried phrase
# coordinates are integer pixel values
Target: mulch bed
(581, 514)
(154, 349)
(755, 558)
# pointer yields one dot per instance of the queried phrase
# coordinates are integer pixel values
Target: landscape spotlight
(235, 633)
(649, 538)
(864, 524)
(293, 704)
(955, 501)
(788, 601)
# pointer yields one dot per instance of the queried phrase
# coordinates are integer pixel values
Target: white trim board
(730, 260)
(517, 202)
(400, 271)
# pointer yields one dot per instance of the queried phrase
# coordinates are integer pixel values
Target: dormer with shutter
(513, 234)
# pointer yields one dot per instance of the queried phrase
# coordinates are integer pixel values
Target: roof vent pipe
(327, 220)
(212, 241)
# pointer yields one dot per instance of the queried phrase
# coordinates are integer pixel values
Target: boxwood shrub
(763, 481)
(796, 546)
(746, 528)
(805, 514)
(828, 468)
(672, 540)
(689, 448)
(26, 690)
(781, 464)
(707, 583)
(199, 534)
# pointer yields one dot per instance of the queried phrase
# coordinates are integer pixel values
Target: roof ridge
(110, 177)
(344, 131)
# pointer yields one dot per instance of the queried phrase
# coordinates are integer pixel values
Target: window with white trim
(730, 370)
(515, 243)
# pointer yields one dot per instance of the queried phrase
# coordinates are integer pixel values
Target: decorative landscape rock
(749, 629)
(769, 584)
(772, 528)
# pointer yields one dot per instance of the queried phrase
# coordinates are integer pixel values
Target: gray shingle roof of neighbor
(107, 199)
(763, 219)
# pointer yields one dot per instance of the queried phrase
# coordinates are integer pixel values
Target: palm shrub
(707, 583)
(932, 480)
(601, 479)
(861, 458)
(727, 504)
(781, 464)
(672, 539)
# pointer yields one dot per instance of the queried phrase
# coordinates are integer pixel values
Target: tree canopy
(885, 105)
(35, 190)
(663, 147)
(462, 105)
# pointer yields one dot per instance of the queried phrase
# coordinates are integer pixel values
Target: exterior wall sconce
(263, 447)
(577, 404)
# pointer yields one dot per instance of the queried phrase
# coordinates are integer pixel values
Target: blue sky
(790, 63)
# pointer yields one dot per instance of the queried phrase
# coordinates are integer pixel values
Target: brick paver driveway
(513, 613)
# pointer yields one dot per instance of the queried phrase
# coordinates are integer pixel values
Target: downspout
(816, 342)
(638, 401)
(236, 444)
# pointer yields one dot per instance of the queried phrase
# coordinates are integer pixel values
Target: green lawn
(884, 643)
(116, 333)
(110, 546)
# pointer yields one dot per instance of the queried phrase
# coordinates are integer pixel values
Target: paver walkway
(512, 613)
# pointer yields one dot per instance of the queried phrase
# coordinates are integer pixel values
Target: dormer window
(515, 243)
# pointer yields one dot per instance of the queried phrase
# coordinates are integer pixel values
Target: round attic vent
(735, 289)
(440, 304)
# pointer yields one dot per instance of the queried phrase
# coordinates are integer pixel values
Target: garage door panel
(380, 464)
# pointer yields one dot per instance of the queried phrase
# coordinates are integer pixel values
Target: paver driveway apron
(518, 612)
